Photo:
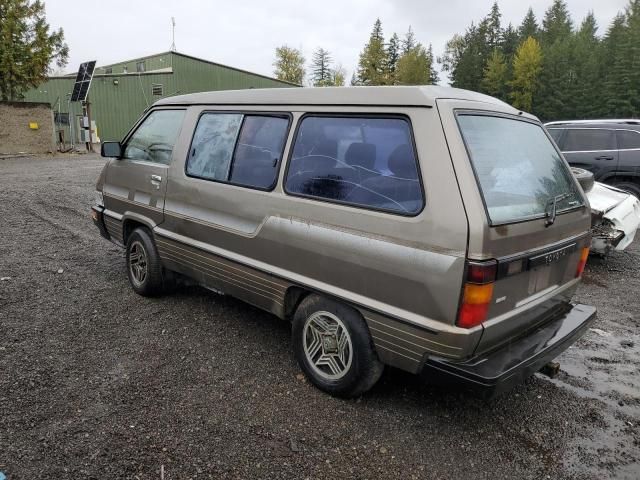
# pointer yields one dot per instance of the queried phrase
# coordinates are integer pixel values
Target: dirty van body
(431, 229)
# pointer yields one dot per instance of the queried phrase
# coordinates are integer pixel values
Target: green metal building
(120, 92)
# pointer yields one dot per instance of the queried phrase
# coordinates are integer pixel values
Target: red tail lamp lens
(471, 315)
(482, 272)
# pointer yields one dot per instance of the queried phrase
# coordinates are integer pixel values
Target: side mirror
(111, 149)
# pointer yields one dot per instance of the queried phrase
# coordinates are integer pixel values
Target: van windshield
(520, 173)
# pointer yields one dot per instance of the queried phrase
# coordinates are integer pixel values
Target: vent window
(156, 89)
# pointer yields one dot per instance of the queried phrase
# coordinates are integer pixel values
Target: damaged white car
(615, 214)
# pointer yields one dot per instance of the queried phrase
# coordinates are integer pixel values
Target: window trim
(486, 113)
(287, 115)
(136, 126)
(363, 115)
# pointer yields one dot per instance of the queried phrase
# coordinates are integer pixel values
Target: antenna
(173, 34)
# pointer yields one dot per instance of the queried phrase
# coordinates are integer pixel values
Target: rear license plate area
(542, 267)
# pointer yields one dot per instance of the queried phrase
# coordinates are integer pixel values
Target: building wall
(16, 136)
(117, 100)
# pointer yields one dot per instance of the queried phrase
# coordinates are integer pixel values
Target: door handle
(156, 178)
(604, 157)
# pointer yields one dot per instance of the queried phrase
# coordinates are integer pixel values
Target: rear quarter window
(364, 162)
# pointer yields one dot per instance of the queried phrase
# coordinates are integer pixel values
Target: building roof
(166, 69)
(424, 96)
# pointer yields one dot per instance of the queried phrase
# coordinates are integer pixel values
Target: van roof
(424, 96)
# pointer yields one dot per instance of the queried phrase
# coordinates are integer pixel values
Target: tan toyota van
(435, 230)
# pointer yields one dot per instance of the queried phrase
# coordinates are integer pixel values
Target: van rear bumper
(500, 370)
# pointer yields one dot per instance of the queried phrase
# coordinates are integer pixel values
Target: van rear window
(519, 171)
(367, 162)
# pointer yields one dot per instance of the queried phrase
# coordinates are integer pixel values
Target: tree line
(396, 62)
(555, 68)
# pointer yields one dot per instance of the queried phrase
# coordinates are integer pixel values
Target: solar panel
(83, 81)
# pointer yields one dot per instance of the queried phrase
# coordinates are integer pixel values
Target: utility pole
(87, 108)
(173, 34)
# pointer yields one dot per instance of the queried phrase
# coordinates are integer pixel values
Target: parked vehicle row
(432, 229)
(607, 151)
(610, 149)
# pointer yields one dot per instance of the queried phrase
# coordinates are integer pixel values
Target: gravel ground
(97, 382)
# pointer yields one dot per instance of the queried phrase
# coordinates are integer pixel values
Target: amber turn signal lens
(583, 261)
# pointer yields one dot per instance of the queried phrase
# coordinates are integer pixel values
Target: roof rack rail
(629, 121)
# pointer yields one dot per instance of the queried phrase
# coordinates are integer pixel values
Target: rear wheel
(144, 267)
(630, 187)
(332, 344)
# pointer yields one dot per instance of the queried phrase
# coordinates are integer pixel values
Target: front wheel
(332, 344)
(144, 267)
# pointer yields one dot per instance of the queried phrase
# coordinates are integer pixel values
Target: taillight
(477, 294)
(583, 261)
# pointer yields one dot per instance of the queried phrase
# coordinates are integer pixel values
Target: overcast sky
(244, 34)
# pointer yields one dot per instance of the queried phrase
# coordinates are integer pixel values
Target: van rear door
(526, 212)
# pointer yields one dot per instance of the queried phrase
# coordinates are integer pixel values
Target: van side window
(368, 162)
(588, 139)
(239, 149)
(155, 138)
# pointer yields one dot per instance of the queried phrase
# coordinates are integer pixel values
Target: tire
(144, 267)
(584, 177)
(349, 366)
(630, 187)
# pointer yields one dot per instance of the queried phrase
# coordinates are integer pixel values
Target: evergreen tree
(615, 98)
(289, 65)
(509, 42)
(557, 24)
(409, 41)
(630, 59)
(393, 55)
(27, 47)
(467, 70)
(529, 26)
(373, 59)
(508, 47)
(526, 70)
(321, 73)
(494, 81)
(587, 59)
(494, 30)
(415, 67)
(556, 99)
(434, 78)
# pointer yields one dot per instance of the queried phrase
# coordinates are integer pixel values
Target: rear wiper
(551, 216)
